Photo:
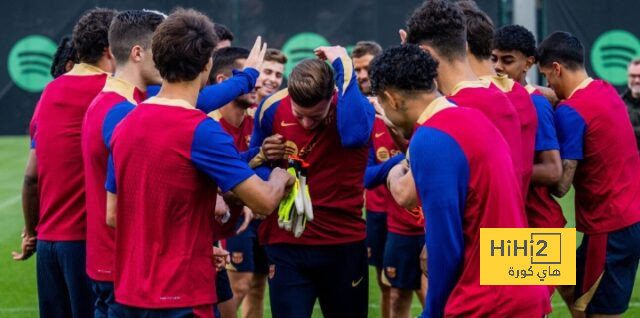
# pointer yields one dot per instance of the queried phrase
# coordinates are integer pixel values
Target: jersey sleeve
(441, 173)
(376, 173)
(111, 120)
(354, 112)
(571, 130)
(262, 128)
(546, 137)
(214, 153)
(215, 96)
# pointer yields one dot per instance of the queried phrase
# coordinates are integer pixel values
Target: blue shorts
(124, 311)
(247, 256)
(64, 289)
(402, 261)
(223, 287)
(614, 256)
(336, 275)
(103, 292)
(376, 237)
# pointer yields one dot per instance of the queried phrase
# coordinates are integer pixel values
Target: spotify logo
(29, 62)
(611, 53)
(300, 47)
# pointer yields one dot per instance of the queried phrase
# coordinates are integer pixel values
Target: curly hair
(439, 24)
(130, 28)
(66, 52)
(561, 47)
(406, 67)
(182, 45)
(91, 34)
(479, 29)
(515, 38)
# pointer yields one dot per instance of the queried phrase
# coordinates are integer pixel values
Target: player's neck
(103, 64)
(481, 67)
(187, 91)
(573, 79)
(132, 75)
(450, 73)
(418, 104)
(233, 114)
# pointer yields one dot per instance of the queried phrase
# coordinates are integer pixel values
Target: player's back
(58, 149)
(606, 180)
(491, 198)
(165, 205)
(521, 100)
(490, 101)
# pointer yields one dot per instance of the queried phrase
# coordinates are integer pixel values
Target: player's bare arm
(263, 197)
(568, 172)
(548, 168)
(402, 186)
(30, 208)
(112, 202)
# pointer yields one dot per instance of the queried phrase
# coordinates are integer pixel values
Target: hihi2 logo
(527, 256)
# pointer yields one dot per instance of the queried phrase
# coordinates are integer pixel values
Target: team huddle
(170, 174)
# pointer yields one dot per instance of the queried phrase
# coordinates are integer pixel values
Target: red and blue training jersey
(57, 137)
(594, 128)
(521, 100)
(464, 186)
(336, 151)
(384, 155)
(168, 160)
(241, 135)
(543, 211)
(100, 237)
(494, 104)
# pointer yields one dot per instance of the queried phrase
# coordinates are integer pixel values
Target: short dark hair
(363, 48)
(66, 52)
(182, 45)
(440, 24)
(222, 32)
(129, 28)
(515, 38)
(479, 29)
(406, 68)
(275, 55)
(91, 34)
(224, 60)
(310, 82)
(561, 47)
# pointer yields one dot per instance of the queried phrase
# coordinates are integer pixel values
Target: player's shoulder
(272, 102)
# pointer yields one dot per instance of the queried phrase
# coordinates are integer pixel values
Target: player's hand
(403, 36)
(273, 147)
(256, 55)
(220, 258)
(283, 176)
(28, 247)
(248, 216)
(397, 172)
(330, 53)
(221, 208)
(423, 261)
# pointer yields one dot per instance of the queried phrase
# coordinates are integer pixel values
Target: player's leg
(253, 303)
(376, 238)
(613, 293)
(291, 290)
(226, 308)
(103, 292)
(241, 268)
(422, 293)
(343, 280)
(402, 270)
(53, 297)
(72, 258)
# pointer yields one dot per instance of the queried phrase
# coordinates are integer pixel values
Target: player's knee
(240, 283)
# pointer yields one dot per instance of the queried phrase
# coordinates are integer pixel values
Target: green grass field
(18, 295)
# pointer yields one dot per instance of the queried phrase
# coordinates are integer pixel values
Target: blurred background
(32, 30)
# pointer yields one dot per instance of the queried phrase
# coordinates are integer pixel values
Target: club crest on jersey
(391, 272)
(382, 154)
(272, 270)
(237, 257)
(247, 139)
